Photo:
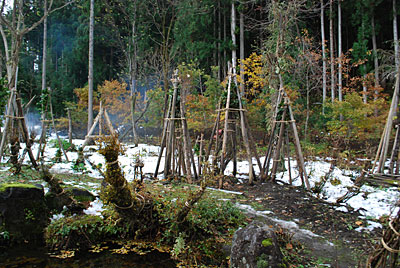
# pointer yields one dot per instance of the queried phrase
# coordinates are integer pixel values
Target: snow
(95, 208)
(370, 201)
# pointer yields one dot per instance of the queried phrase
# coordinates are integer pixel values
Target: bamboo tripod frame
(99, 121)
(383, 148)
(232, 117)
(280, 137)
(15, 107)
(179, 157)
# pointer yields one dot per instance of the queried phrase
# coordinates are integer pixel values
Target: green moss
(267, 242)
(83, 231)
(4, 186)
(262, 261)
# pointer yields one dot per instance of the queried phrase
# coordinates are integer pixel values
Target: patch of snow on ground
(370, 201)
(95, 208)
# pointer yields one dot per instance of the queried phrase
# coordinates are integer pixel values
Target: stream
(38, 257)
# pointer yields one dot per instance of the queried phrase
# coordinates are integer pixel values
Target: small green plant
(65, 144)
(267, 242)
(29, 215)
(179, 245)
(79, 167)
(262, 261)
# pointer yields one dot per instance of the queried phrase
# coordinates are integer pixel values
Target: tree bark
(340, 94)
(90, 76)
(395, 37)
(376, 62)
(323, 57)
(233, 35)
(241, 52)
(332, 51)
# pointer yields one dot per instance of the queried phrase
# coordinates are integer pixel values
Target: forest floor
(290, 206)
(349, 229)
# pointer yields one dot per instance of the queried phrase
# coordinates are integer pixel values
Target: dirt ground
(291, 203)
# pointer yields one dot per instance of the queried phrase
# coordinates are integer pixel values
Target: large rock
(255, 246)
(56, 203)
(23, 213)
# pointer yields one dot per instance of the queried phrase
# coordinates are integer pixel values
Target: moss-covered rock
(83, 231)
(56, 202)
(23, 213)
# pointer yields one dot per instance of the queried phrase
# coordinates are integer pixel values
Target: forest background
(337, 61)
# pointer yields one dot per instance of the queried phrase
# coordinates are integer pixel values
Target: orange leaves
(200, 113)
(115, 97)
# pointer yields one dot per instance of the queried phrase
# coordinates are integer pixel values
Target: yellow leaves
(253, 71)
(64, 254)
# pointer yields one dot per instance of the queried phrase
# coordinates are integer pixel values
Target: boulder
(23, 213)
(56, 203)
(255, 246)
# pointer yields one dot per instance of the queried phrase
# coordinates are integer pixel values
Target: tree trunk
(241, 52)
(340, 94)
(376, 62)
(90, 76)
(44, 62)
(233, 35)
(332, 51)
(219, 42)
(395, 36)
(323, 57)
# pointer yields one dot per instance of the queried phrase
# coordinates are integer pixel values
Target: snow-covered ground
(372, 202)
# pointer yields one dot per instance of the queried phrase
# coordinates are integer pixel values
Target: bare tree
(340, 67)
(395, 36)
(233, 35)
(14, 23)
(323, 57)
(90, 75)
(332, 50)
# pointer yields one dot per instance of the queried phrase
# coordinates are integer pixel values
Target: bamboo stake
(225, 137)
(234, 148)
(109, 124)
(8, 115)
(69, 126)
(394, 150)
(278, 147)
(389, 122)
(201, 154)
(25, 132)
(288, 156)
(298, 147)
(245, 137)
(163, 139)
(171, 126)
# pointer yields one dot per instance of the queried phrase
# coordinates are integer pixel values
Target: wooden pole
(168, 156)
(234, 148)
(109, 123)
(69, 126)
(8, 115)
(163, 139)
(394, 150)
(245, 136)
(225, 137)
(276, 158)
(288, 156)
(298, 147)
(389, 122)
(201, 154)
(25, 132)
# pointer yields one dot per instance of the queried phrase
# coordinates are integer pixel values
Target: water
(38, 257)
